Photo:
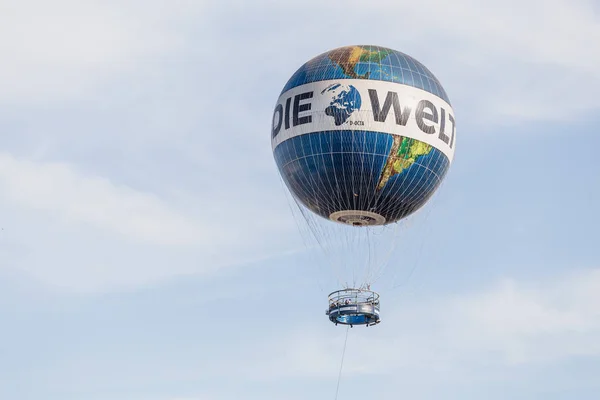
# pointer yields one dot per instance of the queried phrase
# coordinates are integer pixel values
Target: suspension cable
(342, 364)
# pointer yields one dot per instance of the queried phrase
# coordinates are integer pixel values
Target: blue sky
(148, 250)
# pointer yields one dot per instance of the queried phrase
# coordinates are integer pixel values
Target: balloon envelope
(363, 135)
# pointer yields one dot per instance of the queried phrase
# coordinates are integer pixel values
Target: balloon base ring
(357, 217)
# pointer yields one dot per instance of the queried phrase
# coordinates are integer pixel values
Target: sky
(147, 246)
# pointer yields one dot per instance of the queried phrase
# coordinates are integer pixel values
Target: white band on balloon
(387, 107)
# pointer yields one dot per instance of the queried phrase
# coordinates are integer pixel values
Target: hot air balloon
(362, 136)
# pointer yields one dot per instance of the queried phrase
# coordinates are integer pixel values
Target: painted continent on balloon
(348, 57)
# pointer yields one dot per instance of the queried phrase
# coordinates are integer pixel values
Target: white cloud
(536, 63)
(66, 48)
(58, 188)
(89, 233)
(532, 323)
(504, 325)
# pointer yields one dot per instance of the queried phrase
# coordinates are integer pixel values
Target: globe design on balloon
(344, 100)
(363, 135)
